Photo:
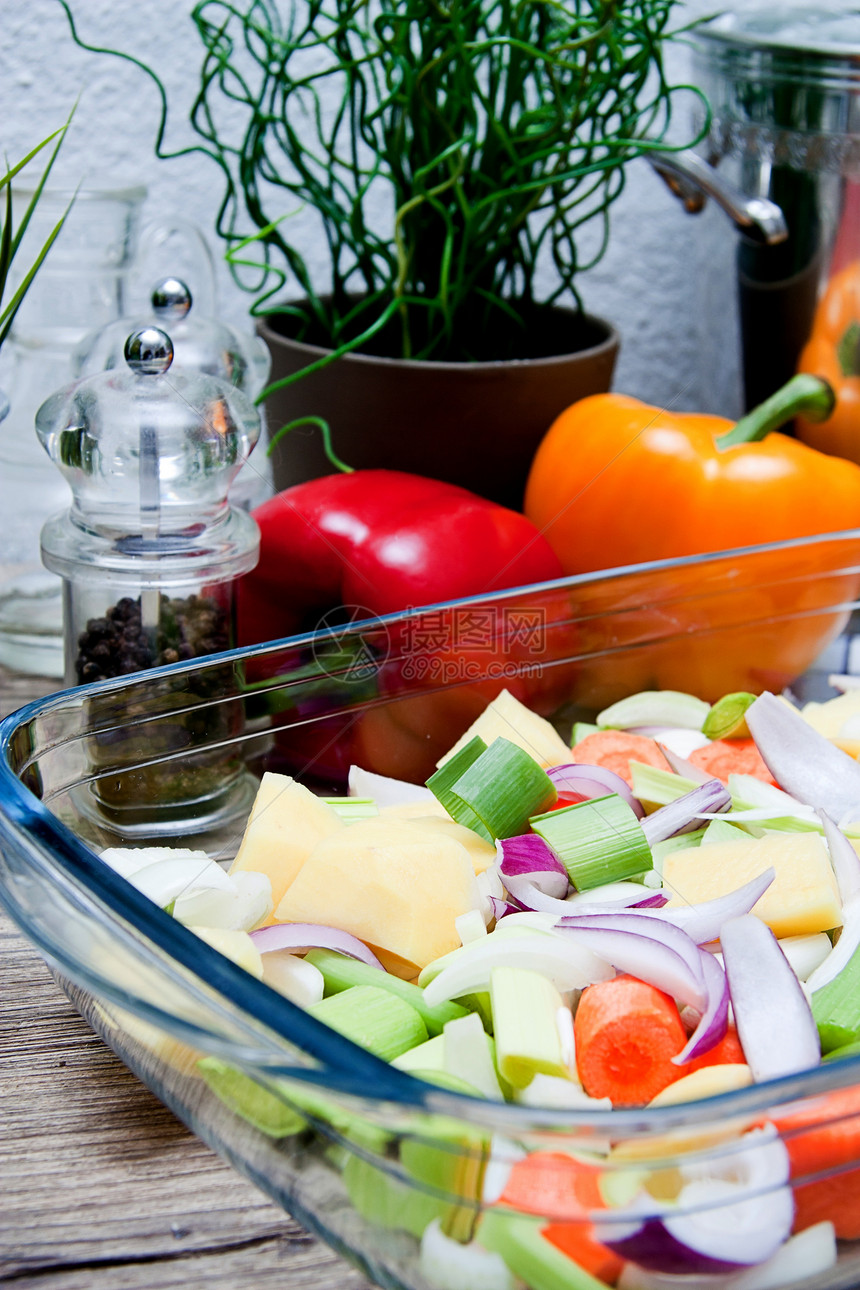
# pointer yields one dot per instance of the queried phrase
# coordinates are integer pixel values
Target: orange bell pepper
(833, 352)
(616, 482)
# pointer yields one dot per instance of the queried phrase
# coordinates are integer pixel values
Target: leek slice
(836, 1007)
(530, 1256)
(502, 788)
(341, 973)
(658, 787)
(353, 809)
(528, 1021)
(597, 841)
(727, 718)
(441, 784)
(721, 831)
(265, 1110)
(426, 1057)
(378, 1020)
(470, 1054)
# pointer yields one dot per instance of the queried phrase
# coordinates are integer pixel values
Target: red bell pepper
(380, 541)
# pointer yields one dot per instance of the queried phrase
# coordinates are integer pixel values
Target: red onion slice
(299, 937)
(528, 857)
(722, 1224)
(593, 781)
(774, 1021)
(685, 813)
(612, 897)
(503, 908)
(703, 922)
(714, 1021)
(802, 761)
(663, 955)
(843, 857)
(528, 896)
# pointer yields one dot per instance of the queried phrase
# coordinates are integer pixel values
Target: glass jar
(88, 279)
(149, 552)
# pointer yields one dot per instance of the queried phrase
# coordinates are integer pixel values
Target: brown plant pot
(473, 424)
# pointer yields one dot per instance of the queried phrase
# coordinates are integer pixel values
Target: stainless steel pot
(783, 84)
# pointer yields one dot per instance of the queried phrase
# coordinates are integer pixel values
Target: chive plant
(446, 148)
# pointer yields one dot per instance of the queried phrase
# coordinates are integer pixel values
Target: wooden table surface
(101, 1187)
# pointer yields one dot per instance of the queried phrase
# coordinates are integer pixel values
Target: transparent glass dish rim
(58, 855)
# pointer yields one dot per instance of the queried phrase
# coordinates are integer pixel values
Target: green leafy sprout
(11, 236)
(445, 149)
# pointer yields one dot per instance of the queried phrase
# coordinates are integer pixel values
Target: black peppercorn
(117, 645)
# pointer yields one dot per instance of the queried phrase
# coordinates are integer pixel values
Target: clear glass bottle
(149, 552)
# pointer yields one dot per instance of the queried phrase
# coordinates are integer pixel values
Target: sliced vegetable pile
(666, 912)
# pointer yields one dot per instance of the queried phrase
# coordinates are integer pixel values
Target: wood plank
(102, 1187)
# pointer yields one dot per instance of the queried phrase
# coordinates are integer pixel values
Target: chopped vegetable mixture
(667, 912)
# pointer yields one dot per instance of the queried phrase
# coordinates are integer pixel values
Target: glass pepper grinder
(202, 344)
(150, 549)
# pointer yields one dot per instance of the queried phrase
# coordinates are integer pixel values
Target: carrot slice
(824, 1138)
(553, 1184)
(726, 757)
(615, 749)
(578, 1242)
(627, 1033)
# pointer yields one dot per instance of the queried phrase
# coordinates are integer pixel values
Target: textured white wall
(666, 282)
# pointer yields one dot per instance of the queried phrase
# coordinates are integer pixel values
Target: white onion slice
(593, 781)
(128, 860)
(680, 740)
(568, 966)
(802, 761)
(843, 857)
(294, 977)
(682, 767)
(702, 922)
(300, 937)
(384, 790)
(240, 909)
(165, 880)
(773, 1018)
(849, 939)
(686, 812)
(806, 953)
(450, 1265)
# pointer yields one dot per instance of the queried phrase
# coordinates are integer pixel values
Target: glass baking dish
(366, 1156)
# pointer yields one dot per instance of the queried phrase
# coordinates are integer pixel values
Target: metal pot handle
(691, 179)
